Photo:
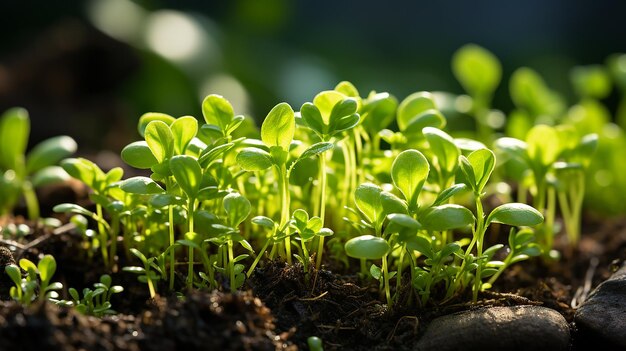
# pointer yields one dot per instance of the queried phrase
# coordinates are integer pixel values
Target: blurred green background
(90, 69)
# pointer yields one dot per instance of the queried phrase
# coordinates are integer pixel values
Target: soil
(280, 307)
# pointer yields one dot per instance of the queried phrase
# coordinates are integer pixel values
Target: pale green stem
(172, 242)
(320, 248)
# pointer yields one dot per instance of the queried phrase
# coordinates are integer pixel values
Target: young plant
(37, 280)
(277, 132)
(237, 209)
(476, 169)
(307, 229)
(555, 160)
(479, 72)
(105, 195)
(149, 274)
(96, 302)
(21, 172)
(330, 114)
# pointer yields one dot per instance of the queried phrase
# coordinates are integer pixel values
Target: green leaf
(138, 155)
(279, 127)
(515, 214)
(28, 266)
(391, 204)
(14, 132)
(263, 221)
(412, 106)
(141, 185)
(210, 155)
(253, 159)
(429, 118)
(448, 193)
(376, 272)
(409, 172)
(483, 162)
(148, 117)
(188, 174)
(85, 171)
(422, 245)
(446, 217)
(184, 129)
(316, 149)
(73, 208)
(378, 111)
(443, 147)
(14, 273)
(47, 266)
(49, 175)
(313, 118)
(543, 145)
(217, 111)
(477, 69)
(367, 199)
(367, 247)
(160, 140)
(347, 89)
(325, 102)
(49, 152)
(343, 115)
(237, 208)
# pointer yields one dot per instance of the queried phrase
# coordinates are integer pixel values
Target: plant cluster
(398, 205)
(36, 282)
(389, 185)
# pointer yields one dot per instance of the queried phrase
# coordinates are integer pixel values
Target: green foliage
(22, 172)
(37, 280)
(94, 302)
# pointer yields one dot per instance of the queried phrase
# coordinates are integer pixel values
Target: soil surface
(280, 307)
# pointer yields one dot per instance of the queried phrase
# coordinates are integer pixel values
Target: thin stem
(386, 282)
(190, 211)
(258, 257)
(479, 234)
(283, 183)
(172, 241)
(231, 265)
(103, 237)
(320, 248)
(32, 203)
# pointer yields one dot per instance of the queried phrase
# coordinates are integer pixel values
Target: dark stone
(498, 328)
(6, 258)
(601, 319)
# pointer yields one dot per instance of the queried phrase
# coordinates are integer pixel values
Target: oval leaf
(409, 172)
(184, 130)
(141, 185)
(279, 126)
(160, 140)
(188, 174)
(237, 208)
(412, 106)
(446, 217)
(217, 111)
(49, 152)
(253, 159)
(138, 155)
(515, 214)
(367, 247)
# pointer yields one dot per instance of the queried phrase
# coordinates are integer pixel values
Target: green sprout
(96, 302)
(37, 280)
(21, 172)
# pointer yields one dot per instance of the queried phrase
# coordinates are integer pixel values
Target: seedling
(149, 274)
(330, 114)
(96, 302)
(37, 280)
(21, 172)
